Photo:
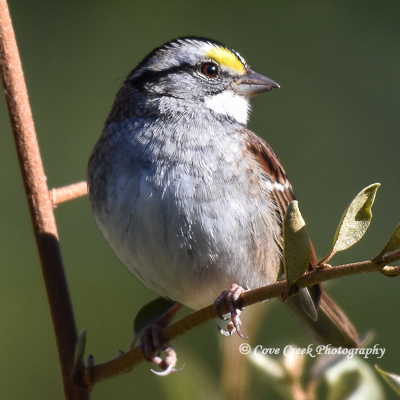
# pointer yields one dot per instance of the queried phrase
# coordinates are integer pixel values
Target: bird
(188, 197)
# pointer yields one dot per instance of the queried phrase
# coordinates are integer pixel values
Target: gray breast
(188, 204)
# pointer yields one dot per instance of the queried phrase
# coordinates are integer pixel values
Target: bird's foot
(231, 297)
(152, 342)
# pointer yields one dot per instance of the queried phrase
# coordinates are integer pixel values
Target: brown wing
(328, 323)
(281, 195)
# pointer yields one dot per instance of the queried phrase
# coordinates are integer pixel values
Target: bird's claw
(152, 341)
(230, 296)
(167, 365)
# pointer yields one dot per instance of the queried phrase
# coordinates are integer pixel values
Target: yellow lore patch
(225, 57)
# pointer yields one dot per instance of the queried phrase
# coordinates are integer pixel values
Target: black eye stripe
(150, 76)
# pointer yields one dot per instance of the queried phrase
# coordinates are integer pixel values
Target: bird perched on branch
(190, 199)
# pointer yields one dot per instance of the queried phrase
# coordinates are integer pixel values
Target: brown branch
(41, 209)
(133, 357)
(69, 192)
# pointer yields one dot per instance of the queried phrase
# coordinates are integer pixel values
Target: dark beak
(252, 84)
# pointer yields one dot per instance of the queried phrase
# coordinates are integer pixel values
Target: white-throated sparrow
(191, 200)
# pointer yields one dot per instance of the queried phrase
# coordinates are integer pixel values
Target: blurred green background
(335, 123)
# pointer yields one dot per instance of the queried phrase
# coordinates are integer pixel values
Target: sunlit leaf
(296, 244)
(392, 379)
(352, 379)
(150, 313)
(294, 364)
(355, 220)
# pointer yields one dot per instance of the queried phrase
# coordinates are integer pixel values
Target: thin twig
(65, 193)
(127, 361)
(40, 206)
(327, 258)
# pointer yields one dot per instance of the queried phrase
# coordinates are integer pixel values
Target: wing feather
(281, 194)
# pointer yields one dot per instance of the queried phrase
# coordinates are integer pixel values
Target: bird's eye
(209, 69)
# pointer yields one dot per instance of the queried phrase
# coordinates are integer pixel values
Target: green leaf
(355, 220)
(393, 243)
(80, 346)
(392, 379)
(353, 378)
(150, 313)
(296, 244)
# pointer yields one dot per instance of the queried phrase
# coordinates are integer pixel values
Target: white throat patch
(231, 104)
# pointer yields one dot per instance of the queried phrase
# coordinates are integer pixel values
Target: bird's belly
(191, 239)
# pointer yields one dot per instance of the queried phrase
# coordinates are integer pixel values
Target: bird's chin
(230, 104)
